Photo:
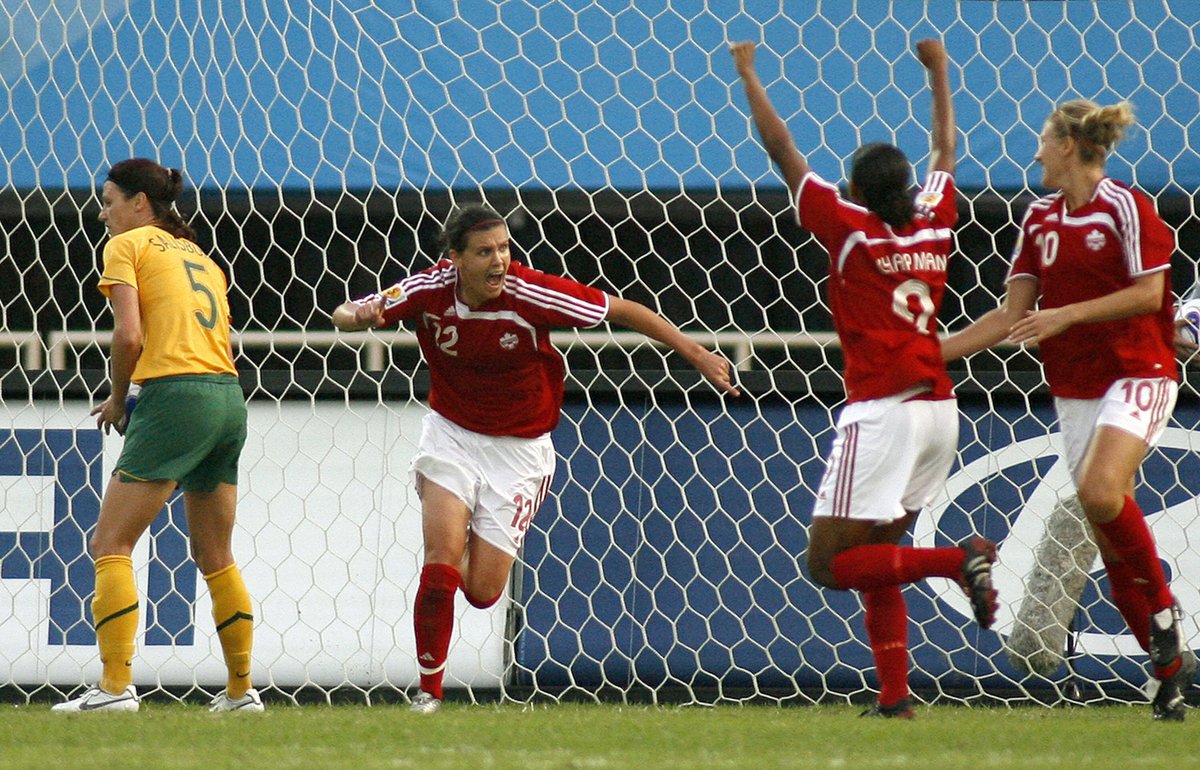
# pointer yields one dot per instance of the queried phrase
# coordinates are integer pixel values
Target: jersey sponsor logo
(509, 341)
(908, 263)
(1095, 240)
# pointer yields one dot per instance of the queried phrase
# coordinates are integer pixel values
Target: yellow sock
(235, 626)
(115, 612)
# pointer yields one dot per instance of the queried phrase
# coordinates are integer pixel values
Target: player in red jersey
(485, 459)
(897, 436)
(1090, 285)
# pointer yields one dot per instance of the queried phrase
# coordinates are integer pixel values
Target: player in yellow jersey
(170, 336)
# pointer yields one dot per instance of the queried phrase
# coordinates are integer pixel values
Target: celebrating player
(171, 335)
(1090, 285)
(897, 436)
(485, 459)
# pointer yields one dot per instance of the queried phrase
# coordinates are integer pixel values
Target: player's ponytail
(881, 174)
(462, 221)
(162, 187)
(1095, 129)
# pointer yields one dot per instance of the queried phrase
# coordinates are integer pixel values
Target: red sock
(1131, 539)
(887, 631)
(433, 621)
(1130, 599)
(866, 567)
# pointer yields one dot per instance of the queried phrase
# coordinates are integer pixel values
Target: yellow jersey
(183, 299)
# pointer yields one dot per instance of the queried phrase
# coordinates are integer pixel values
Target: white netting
(326, 143)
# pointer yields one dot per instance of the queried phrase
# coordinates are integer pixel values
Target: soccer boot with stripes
(979, 554)
(1174, 666)
(96, 699)
(424, 703)
(249, 703)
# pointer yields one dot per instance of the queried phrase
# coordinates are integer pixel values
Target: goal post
(324, 143)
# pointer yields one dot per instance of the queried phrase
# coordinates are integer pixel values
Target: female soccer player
(897, 436)
(171, 335)
(485, 459)
(1090, 286)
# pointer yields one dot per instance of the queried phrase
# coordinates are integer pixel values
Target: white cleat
(424, 703)
(248, 703)
(96, 699)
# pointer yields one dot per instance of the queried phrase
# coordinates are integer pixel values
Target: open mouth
(495, 279)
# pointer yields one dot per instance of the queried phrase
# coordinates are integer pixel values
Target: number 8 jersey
(885, 286)
(183, 300)
(1098, 249)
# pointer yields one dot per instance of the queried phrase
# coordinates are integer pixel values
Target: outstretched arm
(995, 325)
(943, 140)
(1144, 296)
(638, 317)
(771, 128)
(355, 316)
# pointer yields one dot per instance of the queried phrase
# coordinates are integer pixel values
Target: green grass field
(597, 736)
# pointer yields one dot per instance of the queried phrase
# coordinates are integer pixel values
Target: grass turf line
(595, 736)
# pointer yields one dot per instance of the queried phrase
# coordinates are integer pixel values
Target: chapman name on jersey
(921, 261)
(885, 285)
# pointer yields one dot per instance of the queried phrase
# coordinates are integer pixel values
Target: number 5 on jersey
(195, 270)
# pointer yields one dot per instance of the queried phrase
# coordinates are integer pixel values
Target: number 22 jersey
(492, 369)
(885, 286)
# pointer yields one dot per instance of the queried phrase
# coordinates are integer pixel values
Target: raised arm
(771, 128)
(638, 317)
(943, 139)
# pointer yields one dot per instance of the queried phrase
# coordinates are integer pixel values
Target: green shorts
(188, 429)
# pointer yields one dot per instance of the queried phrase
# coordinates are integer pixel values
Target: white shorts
(501, 479)
(1135, 405)
(890, 456)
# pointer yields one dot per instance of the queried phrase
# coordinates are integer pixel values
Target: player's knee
(1101, 501)
(820, 569)
(476, 601)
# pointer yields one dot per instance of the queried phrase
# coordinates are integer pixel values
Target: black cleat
(1174, 666)
(900, 710)
(979, 556)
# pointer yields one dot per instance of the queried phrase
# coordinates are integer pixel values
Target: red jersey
(885, 285)
(492, 370)
(1093, 251)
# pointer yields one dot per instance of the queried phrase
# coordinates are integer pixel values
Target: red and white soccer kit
(492, 370)
(496, 387)
(898, 434)
(1123, 372)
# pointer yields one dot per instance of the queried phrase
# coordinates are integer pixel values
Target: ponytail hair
(162, 187)
(1096, 129)
(882, 175)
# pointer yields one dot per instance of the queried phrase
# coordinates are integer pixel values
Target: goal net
(325, 143)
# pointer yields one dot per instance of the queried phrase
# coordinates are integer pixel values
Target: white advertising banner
(328, 539)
